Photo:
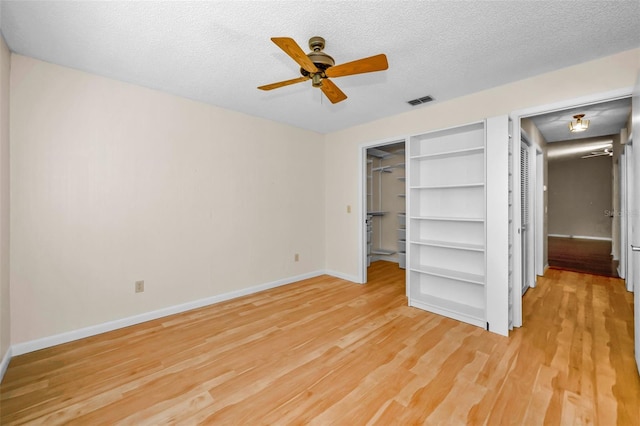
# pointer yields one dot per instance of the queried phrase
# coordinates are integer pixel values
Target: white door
(524, 214)
(629, 179)
(622, 170)
(634, 218)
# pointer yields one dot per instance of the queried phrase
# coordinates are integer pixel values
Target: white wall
(5, 308)
(113, 183)
(341, 151)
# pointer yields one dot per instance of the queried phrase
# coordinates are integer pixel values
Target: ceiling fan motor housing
(321, 60)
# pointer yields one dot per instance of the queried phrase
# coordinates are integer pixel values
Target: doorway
(383, 204)
(539, 255)
(583, 187)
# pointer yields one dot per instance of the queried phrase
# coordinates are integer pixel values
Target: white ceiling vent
(422, 100)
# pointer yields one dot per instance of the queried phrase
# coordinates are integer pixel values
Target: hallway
(582, 255)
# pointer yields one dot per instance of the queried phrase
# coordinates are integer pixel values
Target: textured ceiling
(218, 52)
(606, 118)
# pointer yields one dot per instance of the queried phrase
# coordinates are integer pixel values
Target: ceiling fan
(317, 66)
(608, 151)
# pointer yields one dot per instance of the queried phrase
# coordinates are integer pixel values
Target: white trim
(596, 98)
(342, 276)
(496, 169)
(6, 359)
(69, 336)
(582, 237)
(539, 213)
(619, 271)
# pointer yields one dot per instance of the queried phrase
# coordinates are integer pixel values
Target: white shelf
(381, 251)
(447, 253)
(460, 311)
(451, 245)
(449, 219)
(451, 274)
(378, 153)
(461, 185)
(383, 169)
(454, 153)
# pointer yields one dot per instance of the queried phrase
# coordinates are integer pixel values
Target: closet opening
(384, 205)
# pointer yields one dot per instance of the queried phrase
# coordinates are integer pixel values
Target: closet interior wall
(386, 203)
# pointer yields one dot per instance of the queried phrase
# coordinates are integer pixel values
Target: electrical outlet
(139, 286)
(296, 257)
(348, 209)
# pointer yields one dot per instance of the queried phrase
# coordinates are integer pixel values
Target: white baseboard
(342, 276)
(619, 270)
(46, 342)
(582, 237)
(5, 363)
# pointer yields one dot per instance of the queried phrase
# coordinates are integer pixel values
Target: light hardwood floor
(325, 351)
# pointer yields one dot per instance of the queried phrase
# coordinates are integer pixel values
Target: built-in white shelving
(452, 274)
(449, 244)
(381, 251)
(449, 218)
(458, 185)
(446, 239)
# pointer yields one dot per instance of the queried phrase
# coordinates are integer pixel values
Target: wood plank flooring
(582, 255)
(324, 351)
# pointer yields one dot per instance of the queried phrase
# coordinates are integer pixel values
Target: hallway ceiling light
(578, 125)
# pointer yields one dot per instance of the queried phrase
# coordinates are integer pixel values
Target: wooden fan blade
(283, 83)
(370, 64)
(332, 91)
(292, 49)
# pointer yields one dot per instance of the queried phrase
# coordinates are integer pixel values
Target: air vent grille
(422, 100)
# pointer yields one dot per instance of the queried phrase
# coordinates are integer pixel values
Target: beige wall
(341, 151)
(113, 183)
(579, 195)
(5, 308)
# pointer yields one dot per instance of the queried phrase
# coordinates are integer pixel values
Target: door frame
(539, 187)
(630, 173)
(534, 218)
(362, 199)
(516, 116)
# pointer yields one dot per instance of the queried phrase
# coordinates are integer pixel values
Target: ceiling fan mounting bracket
(316, 43)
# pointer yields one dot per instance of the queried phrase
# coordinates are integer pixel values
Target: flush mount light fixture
(578, 124)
